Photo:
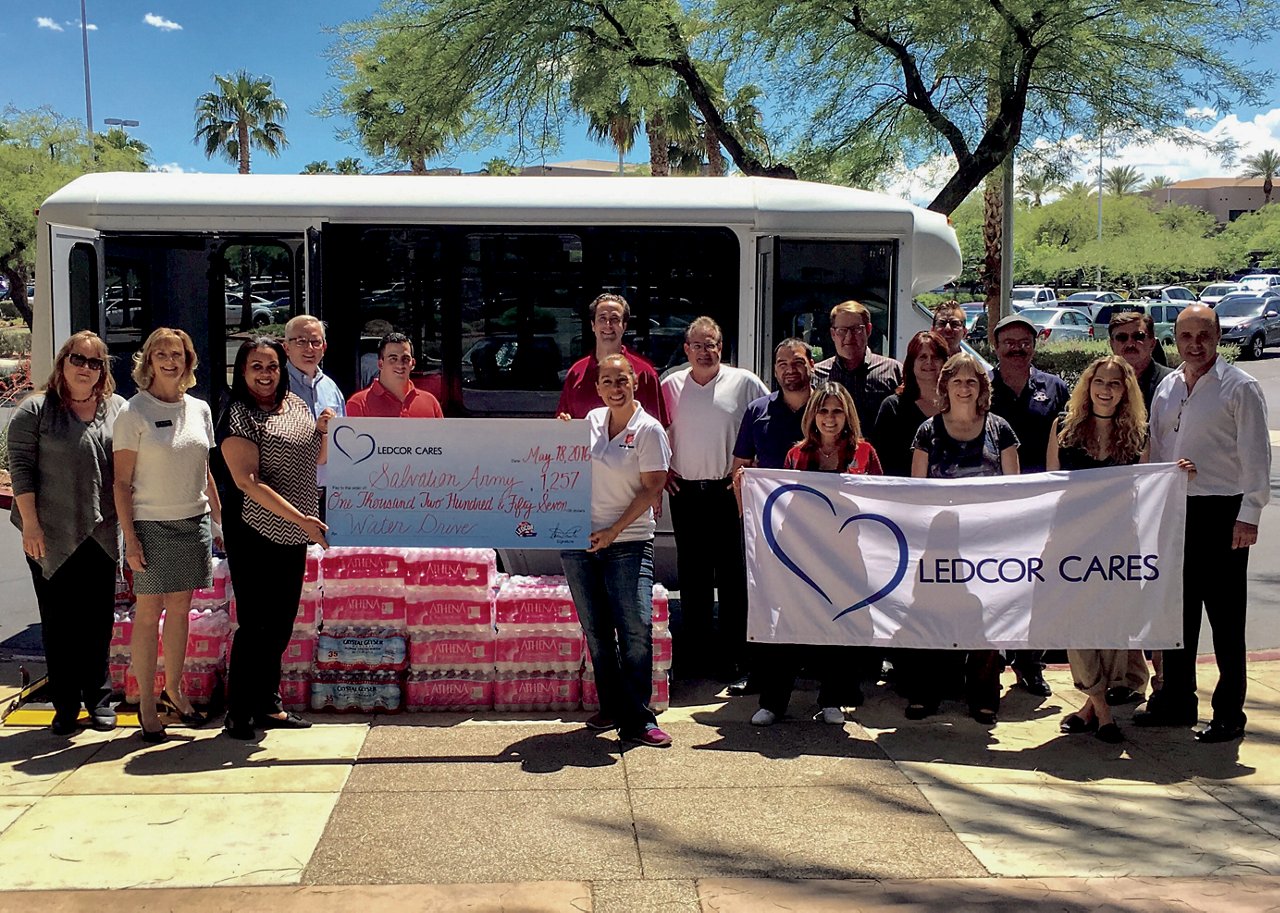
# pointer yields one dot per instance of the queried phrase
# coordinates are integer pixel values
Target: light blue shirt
(319, 392)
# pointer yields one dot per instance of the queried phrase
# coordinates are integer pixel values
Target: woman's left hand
(601, 539)
(322, 420)
(1188, 467)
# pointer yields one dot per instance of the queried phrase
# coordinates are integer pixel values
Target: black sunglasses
(1122, 336)
(94, 364)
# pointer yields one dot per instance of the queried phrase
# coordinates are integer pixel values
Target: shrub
(15, 341)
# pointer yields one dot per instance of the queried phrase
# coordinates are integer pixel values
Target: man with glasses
(706, 402)
(868, 377)
(949, 323)
(609, 314)
(1133, 338)
(392, 393)
(1215, 415)
(304, 343)
(770, 427)
(1029, 400)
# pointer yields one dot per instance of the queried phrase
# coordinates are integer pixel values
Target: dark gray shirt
(67, 464)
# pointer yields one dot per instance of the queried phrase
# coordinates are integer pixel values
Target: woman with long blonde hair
(1105, 424)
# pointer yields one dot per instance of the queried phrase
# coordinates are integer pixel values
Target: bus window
(82, 270)
(814, 276)
(262, 276)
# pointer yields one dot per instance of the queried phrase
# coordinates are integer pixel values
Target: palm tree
(1159, 182)
(320, 167)
(1121, 180)
(1265, 165)
(243, 112)
(118, 138)
(616, 124)
(348, 165)
(1034, 184)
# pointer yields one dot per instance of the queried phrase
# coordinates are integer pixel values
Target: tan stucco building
(1225, 198)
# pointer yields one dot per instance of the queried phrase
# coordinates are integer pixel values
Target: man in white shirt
(706, 402)
(1213, 414)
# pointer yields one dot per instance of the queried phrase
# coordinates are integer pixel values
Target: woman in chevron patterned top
(272, 448)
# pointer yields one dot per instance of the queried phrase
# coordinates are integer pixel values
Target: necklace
(81, 401)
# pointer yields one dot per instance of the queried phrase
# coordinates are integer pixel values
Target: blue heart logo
(356, 442)
(774, 546)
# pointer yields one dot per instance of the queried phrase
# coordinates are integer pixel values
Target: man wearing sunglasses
(1133, 338)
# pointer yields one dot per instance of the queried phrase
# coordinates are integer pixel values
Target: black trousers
(709, 557)
(929, 675)
(777, 665)
(1215, 577)
(76, 606)
(267, 578)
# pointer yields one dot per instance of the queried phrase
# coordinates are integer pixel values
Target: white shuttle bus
(489, 276)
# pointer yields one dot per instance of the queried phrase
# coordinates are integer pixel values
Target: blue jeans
(613, 591)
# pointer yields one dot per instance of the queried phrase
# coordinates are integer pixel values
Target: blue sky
(150, 60)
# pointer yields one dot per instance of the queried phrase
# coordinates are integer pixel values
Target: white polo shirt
(705, 419)
(616, 465)
(1221, 426)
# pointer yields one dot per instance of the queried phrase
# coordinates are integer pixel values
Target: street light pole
(1100, 135)
(88, 92)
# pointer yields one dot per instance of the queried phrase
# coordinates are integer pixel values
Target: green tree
(1264, 165)
(1159, 182)
(118, 139)
(41, 151)
(348, 165)
(1121, 180)
(320, 167)
(1033, 184)
(499, 167)
(244, 112)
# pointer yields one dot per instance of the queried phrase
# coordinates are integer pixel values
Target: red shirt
(377, 401)
(862, 460)
(579, 395)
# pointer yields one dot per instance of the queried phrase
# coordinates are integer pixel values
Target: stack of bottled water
(661, 698)
(299, 655)
(538, 659)
(449, 615)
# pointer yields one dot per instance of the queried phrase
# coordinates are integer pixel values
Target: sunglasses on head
(93, 364)
(1122, 336)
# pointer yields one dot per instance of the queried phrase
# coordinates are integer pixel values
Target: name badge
(165, 423)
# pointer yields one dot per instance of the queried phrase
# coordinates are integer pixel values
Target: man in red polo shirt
(609, 314)
(392, 393)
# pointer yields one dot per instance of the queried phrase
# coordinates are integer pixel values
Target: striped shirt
(876, 378)
(288, 445)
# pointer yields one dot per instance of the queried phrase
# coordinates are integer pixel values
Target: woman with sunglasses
(165, 498)
(60, 463)
(272, 448)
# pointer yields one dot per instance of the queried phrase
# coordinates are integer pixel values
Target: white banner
(1089, 559)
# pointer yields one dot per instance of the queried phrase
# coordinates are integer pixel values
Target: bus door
(799, 280)
(78, 278)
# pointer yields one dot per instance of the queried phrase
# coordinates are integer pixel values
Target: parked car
(1258, 282)
(1058, 324)
(1250, 322)
(1028, 296)
(1212, 294)
(262, 312)
(1162, 315)
(1264, 293)
(1176, 293)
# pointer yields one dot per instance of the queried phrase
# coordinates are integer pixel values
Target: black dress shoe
(745, 685)
(1110, 734)
(1034, 683)
(1219, 732)
(238, 729)
(103, 719)
(1074, 723)
(290, 721)
(1121, 695)
(152, 736)
(193, 719)
(920, 711)
(65, 723)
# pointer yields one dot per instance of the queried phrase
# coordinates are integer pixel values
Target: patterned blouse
(288, 446)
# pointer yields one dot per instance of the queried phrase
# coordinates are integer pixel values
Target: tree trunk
(715, 158)
(1267, 187)
(18, 284)
(418, 164)
(242, 137)
(992, 222)
(659, 151)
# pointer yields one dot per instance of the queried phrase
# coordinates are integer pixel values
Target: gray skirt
(179, 555)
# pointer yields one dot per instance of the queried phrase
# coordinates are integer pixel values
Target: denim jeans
(613, 592)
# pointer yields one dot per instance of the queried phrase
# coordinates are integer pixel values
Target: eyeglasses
(857, 329)
(1139, 336)
(949, 324)
(705, 346)
(93, 364)
(308, 343)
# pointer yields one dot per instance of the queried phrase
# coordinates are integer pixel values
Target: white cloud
(75, 24)
(45, 22)
(169, 168)
(166, 25)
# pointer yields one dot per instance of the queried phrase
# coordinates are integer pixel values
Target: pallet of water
(519, 691)
(347, 691)
(450, 689)
(362, 649)
(420, 567)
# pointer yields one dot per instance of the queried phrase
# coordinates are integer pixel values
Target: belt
(705, 484)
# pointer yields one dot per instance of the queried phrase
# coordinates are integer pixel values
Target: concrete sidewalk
(431, 812)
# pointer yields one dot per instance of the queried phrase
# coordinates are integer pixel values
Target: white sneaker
(764, 717)
(832, 715)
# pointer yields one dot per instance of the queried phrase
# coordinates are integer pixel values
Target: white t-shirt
(172, 441)
(705, 419)
(616, 466)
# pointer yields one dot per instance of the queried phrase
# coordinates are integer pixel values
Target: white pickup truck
(1033, 296)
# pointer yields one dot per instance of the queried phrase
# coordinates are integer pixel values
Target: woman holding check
(612, 580)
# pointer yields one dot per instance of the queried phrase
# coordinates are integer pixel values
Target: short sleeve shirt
(705, 419)
(288, 446)
(579, 395)
(952, 459)
(376, 401)
(616, 464)
(769, 429)
(1030, 413)
(172, 442)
